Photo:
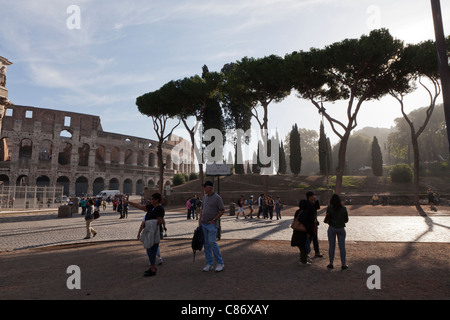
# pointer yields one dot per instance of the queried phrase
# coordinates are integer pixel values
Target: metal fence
(30, 197)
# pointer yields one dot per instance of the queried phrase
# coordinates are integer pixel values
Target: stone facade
(46, 147)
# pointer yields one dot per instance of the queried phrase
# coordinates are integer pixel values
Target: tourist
(212, 210)
(337, 218)
(300, 238)
(250, 207)
(260, 204)
(278, 206)
(120, 208)
(188, 208)
(155, 211)
(264, 207)
(375, 199)
(270, 205)
(193, 205)
(314, 205)
(89, 219)
(432, 199)
(83, 204)
(198, 208)
(240, 204)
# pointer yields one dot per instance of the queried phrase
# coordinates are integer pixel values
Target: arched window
(100, 155)
(26, 148)
(65, 153)
(83, 153)
(115, 155)
(45, 150)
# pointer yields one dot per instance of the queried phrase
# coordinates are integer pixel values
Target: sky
(97, 57)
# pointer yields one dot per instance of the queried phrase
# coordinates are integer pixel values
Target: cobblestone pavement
(32, 230)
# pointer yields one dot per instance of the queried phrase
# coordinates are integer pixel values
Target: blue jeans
(341, 234)
(211, 246)
(308, 245)
(151, 252)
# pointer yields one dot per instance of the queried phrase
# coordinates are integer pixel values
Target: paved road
(21, 231)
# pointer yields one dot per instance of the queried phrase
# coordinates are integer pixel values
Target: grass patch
(348, 181)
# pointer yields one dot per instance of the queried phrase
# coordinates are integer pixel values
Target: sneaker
(219, 267)
(160, 261)
(304, 264)
(208, 267)
(330, 266)
(344, 267)
(318, 255)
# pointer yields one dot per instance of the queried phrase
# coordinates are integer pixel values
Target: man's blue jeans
(211, 246)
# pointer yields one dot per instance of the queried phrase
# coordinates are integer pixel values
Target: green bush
(178, 179)
(401, 173)
(193, 176)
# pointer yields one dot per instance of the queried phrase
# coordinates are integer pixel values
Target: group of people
(193, 207)
(121, 206)
(212, 208)
(90, 205)
(336, 217)
(266, 206)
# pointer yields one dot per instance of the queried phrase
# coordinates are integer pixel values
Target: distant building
(46, 147)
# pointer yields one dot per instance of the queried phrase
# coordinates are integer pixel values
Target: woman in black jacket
(306, 216)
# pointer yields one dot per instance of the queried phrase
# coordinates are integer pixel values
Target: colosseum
(45, 147)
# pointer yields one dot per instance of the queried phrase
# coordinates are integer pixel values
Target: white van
(107, 193)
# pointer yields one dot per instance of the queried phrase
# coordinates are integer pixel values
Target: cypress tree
(282, 165)
(295, 156)
(377, 158)
(323, 150)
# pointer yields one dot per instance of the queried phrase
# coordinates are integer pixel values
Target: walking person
(89, 219)
(212, 210)
(337, 218)
(250, 206)
(155, 211)
(240, 204)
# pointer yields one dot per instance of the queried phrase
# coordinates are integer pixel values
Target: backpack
(197, 241)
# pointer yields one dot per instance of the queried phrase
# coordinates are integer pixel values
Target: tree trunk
(161, 166)
(415, 145)
(341, 162)
(200, 161)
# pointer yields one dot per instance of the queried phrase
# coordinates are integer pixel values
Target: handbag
(298, 226)
(96, 214)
